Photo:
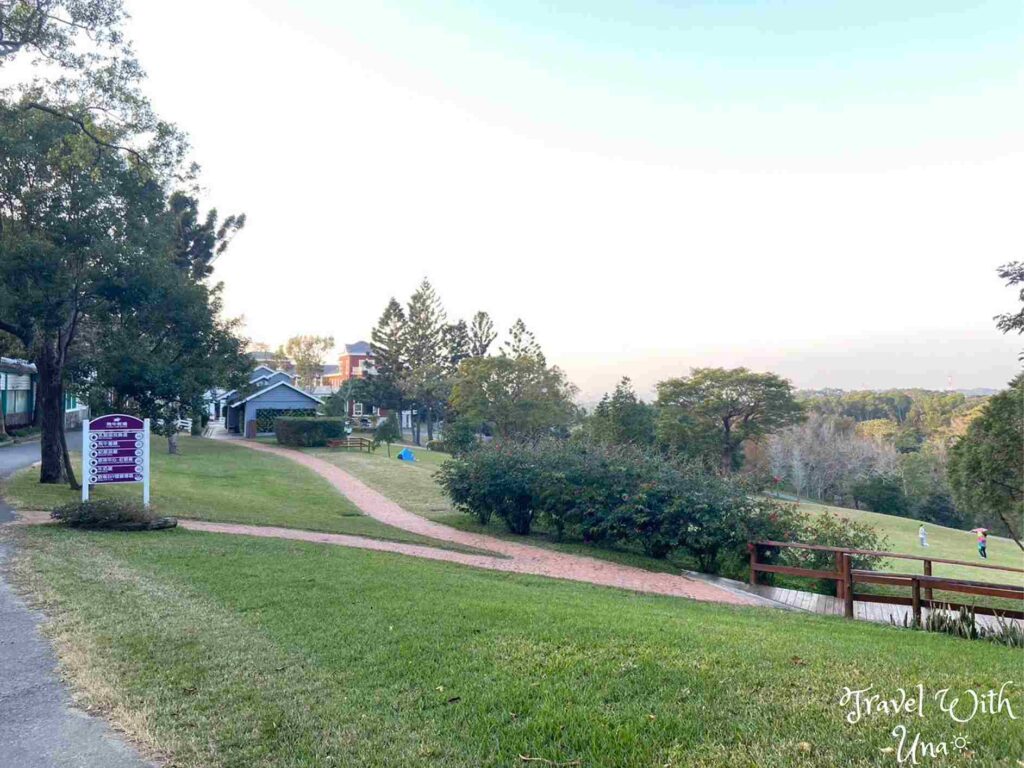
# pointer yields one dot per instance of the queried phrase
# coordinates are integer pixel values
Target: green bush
(308, 431)
(104, 513)
(616, 494)
(459, 436)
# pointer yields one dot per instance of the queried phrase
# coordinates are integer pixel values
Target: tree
(722, 408)
(83, 164)
(388, 345)
(986, 465)
(164, 343)
(481, 334)
(516, 397)
(425, 382)
(199, 242)
(1013, 274)
(522, 343)
(307, 353)
(73, 224)
(621, 418)
(457, 344)
(388, 432)
(52, 27)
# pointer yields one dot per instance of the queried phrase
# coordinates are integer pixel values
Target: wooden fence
(358, 443)
(922, 586)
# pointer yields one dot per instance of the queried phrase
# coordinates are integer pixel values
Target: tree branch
(85, 129)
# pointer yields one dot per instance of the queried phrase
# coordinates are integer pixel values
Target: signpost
(115, 449)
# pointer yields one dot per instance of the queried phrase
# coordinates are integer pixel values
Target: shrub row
(620, 495)
(308, 431)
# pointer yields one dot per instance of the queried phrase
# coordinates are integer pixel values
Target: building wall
(282, 398)
(17, 397)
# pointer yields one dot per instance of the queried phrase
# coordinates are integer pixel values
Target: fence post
(915, 585)
(840, 577)
(928, 572)
(847, 586)
(753, 563)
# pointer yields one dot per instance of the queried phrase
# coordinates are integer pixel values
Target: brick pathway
(509, 556)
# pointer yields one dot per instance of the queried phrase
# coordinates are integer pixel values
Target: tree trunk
(726, 450)
(430, 423)
(56, 463)
(172, 441)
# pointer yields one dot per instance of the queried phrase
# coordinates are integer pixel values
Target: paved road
(13, 458)
(39, 727)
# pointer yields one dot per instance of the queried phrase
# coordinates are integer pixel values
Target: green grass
(219, 482)
(234, 651)
(946, 543)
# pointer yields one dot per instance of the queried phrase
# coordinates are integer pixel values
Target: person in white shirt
(922, 535)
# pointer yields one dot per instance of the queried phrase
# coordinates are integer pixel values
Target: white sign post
(115, 449)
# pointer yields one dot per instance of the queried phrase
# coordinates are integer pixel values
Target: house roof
(261, 392)
(17, 367)
(329, 370)
(359, 348)
(257, 369)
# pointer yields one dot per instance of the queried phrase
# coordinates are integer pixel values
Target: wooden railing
(359, 443)
(922, 587)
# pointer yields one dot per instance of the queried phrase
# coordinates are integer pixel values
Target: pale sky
(823, 189)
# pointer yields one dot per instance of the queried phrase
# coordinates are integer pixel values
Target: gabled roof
(17, 367)
(257, 369)
(359, 348)
(261, 392)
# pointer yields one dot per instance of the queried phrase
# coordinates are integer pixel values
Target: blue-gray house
(252, 411)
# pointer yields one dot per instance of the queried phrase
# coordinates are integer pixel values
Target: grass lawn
(233, 651)
(947, 543)
(219, 482)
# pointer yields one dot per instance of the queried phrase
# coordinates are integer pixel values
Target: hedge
(308, 431)
(625, 495)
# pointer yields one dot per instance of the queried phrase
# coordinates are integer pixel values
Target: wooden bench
(359, 443)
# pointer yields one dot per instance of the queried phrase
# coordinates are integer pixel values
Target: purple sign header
(117, 421)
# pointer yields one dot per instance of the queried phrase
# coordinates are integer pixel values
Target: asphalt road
(39, 727)
(13, 458)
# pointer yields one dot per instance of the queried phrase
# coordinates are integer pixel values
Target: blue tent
(406, 455)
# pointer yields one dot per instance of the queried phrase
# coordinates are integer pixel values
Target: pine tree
(522, 344)
(388, 345)
(481, 334)
(424, 344)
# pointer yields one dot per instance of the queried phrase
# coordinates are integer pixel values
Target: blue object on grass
(406, 455)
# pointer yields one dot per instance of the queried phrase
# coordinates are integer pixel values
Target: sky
(818, 188)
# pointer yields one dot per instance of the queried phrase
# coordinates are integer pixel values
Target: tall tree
(425, 380)
(986, 465)
(83, 166)
(457, 344)
(71, 220)
(621, 418)
(522, 343)
(307, 353)
(390, 360)
(1013, 274)
(199, 241)
(515, 394)
(481, 334)
(164, 343)
(722, 408)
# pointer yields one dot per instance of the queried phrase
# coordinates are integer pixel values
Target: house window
(357, 409)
